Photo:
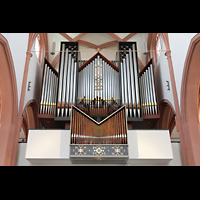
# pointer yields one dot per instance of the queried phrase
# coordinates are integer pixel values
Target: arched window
(158, 45)
(37, 46)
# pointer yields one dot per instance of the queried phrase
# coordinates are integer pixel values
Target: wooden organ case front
(98, 101)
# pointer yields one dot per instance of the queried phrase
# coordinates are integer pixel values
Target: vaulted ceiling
(91, 43)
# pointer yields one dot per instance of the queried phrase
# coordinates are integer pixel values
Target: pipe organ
(130, 79)
(48, 93)
(148, 94)
(98, 86)
(84, 93)
(67, 78)
(49, 90)
(111, 130)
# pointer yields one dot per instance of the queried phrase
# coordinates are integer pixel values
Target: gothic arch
(189, 102)
(167, 116)
(30, 119)
(9, 102)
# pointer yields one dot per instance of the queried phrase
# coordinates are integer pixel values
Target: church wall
(34, 79)
(163, 81)
(179, 43)
(18, 43)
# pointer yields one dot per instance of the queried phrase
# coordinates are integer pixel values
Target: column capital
(28, 55)
(168, 54)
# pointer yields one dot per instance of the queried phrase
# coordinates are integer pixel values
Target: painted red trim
(128, 37)
(9, 105)
(189, 103)
(115, 36)
(78, 37)
(108, 44)
(66, 36)
(101, 56)
(89, 44)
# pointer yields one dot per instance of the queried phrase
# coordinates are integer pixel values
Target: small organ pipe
(151, 90)
(153, 87)
(48, 88)
(111, 131)
(43, 89)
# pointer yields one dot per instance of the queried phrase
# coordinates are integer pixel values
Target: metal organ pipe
(129, 86)
(49, 90)
(129, 79)
(136, 81)
(83, 130)
(148, 95)
(100, 89)
(67, 78)
(60, 80)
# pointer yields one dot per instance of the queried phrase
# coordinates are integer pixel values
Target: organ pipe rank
(98, 87)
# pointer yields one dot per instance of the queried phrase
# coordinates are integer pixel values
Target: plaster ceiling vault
(90, 43)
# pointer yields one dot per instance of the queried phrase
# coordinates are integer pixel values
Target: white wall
(18, 43)
(35, 77)
(162, 75)
(179, 43)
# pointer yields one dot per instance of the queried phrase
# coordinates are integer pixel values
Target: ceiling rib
(78, 37)
(129, 36)
(66, 36)
(116, 37)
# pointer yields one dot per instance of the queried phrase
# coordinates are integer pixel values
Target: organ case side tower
(67, 81)
(130, 88)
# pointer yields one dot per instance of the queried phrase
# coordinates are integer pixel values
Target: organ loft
(98, 100)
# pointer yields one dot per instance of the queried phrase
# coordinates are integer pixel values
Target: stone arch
(167, 116)
(190, 103)
(9, 102)
(30, 119)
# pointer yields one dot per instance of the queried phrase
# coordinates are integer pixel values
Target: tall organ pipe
(60, 80)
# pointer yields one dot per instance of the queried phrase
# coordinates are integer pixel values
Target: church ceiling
(91, 43)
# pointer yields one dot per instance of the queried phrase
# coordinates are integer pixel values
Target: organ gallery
(99, 99)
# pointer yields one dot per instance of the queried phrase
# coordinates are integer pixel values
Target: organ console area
(97, 99)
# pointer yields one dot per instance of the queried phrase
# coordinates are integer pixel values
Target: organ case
(98, 87)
